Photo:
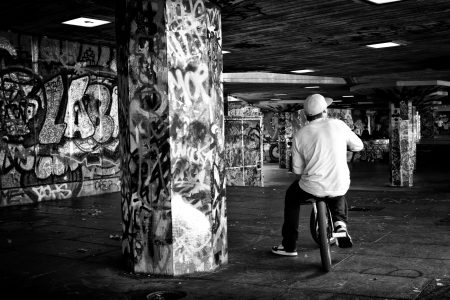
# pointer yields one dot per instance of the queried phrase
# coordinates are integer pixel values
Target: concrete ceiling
(279, 36)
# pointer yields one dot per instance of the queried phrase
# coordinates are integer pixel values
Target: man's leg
(338, 208)
(291, 216)
(293, 198)
(339, 211)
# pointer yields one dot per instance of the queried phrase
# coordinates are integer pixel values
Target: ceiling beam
(263, 77)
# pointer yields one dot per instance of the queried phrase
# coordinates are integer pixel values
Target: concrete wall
(59, 120)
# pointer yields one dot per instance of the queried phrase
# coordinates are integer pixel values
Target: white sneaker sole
(284, 253)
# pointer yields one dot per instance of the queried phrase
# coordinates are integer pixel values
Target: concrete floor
(70, 249)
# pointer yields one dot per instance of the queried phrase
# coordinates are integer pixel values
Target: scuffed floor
(71, 249)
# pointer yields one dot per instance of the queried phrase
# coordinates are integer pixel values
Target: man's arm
(354, 143)
(298, 163)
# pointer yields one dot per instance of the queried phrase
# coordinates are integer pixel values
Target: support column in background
(282, 140)
(289, 129)
(402, 140)
(172, 142)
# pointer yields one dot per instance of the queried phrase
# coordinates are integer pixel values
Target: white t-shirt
(319, 155)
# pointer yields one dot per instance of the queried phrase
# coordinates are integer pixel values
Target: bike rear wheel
(325, 252)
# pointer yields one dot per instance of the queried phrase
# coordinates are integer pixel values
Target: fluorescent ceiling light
(86, 22)
(303, 71)
(383, 45)
(348, 96)
(312, 87)
(337, 101)
(225, 52)
(280, 94)
(233, 99)
(382, 1)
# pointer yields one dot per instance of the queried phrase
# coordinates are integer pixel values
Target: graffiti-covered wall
(240, 109)
(59, 120)
(344, 115)
(243, 151)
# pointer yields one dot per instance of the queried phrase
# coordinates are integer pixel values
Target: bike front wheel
(314, 225)
(324, 241)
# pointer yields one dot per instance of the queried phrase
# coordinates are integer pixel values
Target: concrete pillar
(282, 140)
(427, 128)
(402, 154)
(171, 116)
(288, 137)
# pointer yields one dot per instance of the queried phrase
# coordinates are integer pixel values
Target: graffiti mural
(233, 143)
(344, 115)
(270, 137)
(243, 110)
(243, 151)
(374, 150)
(173, 202)
(59, 134)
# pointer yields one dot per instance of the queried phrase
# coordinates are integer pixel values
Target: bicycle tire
(314, 226)
(325, 252)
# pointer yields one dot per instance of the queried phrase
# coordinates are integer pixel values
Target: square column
(282, 144)
(172, 139)
(402, 154)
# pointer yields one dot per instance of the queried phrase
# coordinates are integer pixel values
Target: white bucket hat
(315, 104)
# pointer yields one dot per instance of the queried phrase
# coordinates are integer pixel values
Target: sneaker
(343, 239)
(281, 251)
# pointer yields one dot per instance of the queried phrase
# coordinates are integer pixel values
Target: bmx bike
(322, 230)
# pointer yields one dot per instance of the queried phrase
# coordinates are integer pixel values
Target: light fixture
(384, 45)
(337, 101)
(233, 99)
(312, 87)
(225, 52)
(382, 1)
(348, 96)
(280, 94)
(303, 71)
(86, 22)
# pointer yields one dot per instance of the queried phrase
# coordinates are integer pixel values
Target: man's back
(319, 153)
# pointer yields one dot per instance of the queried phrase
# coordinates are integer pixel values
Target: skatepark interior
(94, 209)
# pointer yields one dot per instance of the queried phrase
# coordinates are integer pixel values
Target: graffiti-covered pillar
(282, 140)
(288, 136)
(402, 154)
(172, 142)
